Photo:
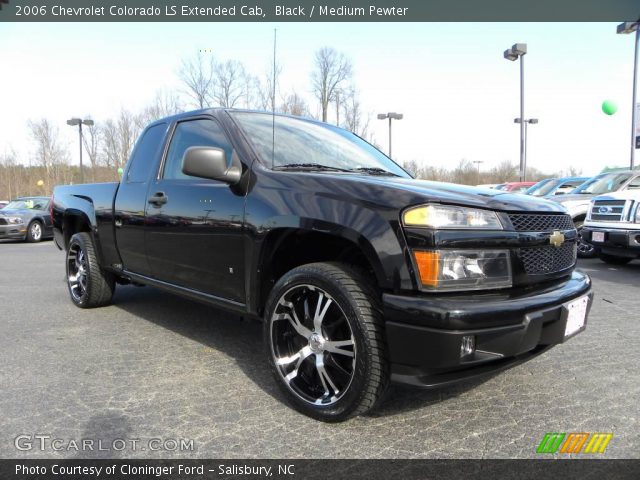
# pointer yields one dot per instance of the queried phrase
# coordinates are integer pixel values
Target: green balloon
(120, 171)
(609, 107)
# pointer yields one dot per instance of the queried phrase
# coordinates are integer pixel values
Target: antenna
(273, 102)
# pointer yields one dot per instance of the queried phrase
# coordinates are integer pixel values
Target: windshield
(28, 204)
(609, 182)
(543, 187)
(301, 144)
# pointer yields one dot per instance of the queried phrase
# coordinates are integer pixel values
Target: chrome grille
(548, 259)
(608, 210)
(533, 222)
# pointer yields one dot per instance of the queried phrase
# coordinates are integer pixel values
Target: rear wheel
(325, 341)
(89, 285)
(614, 260)
(34, 232)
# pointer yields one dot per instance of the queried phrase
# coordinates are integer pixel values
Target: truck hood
(403, 192)
(621, 195)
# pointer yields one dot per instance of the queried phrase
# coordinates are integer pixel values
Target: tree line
(209, 82)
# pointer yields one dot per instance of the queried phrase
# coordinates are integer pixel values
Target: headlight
(463, 270)
(14, 220)
(446, 216)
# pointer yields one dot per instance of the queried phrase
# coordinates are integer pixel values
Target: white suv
(613, 226)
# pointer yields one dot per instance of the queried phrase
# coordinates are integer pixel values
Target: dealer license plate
(597, 236)
(577, 315)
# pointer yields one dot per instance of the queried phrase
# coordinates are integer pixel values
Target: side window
(635, 183)
(193, 133)
(145, 153)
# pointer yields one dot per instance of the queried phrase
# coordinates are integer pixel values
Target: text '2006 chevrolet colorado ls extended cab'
(361, 274)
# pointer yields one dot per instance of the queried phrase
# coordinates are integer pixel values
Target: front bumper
(424, 333)
(618, 242)
(13, 231)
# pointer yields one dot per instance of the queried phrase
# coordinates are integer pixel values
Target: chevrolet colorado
(361, 274)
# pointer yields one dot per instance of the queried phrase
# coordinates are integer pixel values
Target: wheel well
(286, 250)
(73, 224)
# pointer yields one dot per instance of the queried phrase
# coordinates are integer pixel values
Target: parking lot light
(519, 50)
(390, 116)
(79, 121)
(626, 28)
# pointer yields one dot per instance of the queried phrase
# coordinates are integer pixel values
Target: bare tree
(266, 92)
(49, 152)
(197, 74)
(164, 104)
(229, 83)
(332, 71)
(294, 104)
(355, 120)
(118, 138)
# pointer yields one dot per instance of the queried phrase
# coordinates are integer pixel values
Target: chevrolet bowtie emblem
(556, 239)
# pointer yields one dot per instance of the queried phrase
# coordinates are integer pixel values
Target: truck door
(195, 226)
(131, 199)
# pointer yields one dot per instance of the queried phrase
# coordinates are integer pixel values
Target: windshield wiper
(309, 166)
(375, 171)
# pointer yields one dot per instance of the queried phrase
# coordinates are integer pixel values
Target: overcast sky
(458, 95)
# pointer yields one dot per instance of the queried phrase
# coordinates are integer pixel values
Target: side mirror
(210, 162)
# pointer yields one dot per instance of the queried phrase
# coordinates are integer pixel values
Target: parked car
(577, 202)
(555, 186)
(613, 226)
(3, 203)
(361, 274)
(515, 187)
(26, 218)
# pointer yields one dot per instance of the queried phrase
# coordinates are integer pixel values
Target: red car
(515, 187)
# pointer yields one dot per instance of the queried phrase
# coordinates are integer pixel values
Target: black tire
(347, 344)
(614, 260)
(35, 232)
(585, 249)
(89, 285)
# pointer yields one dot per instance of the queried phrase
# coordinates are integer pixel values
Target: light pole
(518, 50)
(527, 121)
(79, 121)
(390, 116)
(478, 162)
(630, 27)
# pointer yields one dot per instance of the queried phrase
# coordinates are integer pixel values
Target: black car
(26, 218)
(361, 274)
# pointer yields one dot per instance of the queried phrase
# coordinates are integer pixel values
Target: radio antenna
(273, 102)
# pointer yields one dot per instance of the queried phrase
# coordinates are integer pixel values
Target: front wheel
(34, 232)
(325, 341)
(614, 260)
(89, 286)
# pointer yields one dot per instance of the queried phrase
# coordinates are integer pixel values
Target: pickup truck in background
(613, 226)
(577, 202)
(361, 274)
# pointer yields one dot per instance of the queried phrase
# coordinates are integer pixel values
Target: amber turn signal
(428, 267)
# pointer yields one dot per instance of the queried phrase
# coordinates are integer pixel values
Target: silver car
(26, 218)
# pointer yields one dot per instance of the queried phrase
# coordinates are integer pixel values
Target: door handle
(158, 199)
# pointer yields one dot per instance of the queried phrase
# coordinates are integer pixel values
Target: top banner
(319, 11)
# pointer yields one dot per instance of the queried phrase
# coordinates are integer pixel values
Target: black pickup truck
(361, 274)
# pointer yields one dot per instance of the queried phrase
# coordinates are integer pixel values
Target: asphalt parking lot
(155, 366)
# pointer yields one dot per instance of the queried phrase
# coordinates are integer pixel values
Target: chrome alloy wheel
(314, 352)
(77, 271)
(36, 231)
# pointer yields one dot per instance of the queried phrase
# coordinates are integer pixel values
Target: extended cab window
(193, 133)
(146, 152)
